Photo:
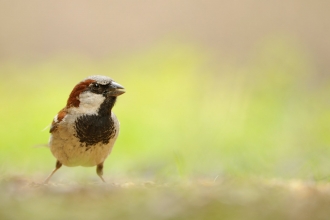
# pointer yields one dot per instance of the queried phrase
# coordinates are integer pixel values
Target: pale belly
(70, 152)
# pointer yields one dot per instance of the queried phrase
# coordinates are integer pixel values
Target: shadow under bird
(84, 131)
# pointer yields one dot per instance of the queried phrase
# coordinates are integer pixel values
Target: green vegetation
(186, 116)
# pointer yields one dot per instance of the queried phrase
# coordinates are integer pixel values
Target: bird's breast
(85, 140)
(93, 129)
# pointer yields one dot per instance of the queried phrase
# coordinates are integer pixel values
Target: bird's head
(93, 93)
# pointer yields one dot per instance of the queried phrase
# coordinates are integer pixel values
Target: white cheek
(89, 103)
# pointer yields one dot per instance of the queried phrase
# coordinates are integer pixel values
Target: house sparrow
(85, 130)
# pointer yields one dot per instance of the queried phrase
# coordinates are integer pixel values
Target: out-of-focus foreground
(218, 96)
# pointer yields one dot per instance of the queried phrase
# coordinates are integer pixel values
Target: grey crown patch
(103, 80)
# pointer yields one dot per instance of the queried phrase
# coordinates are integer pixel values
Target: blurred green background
(212, 88)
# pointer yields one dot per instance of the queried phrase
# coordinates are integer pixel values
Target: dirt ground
(197, 199)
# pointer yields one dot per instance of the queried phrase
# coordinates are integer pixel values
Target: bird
(84, 132)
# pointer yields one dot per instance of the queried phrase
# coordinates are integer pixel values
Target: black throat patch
(97, 128)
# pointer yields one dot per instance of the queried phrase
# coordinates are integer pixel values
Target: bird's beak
(116, 89)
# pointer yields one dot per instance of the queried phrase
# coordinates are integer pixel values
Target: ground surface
(198, 199)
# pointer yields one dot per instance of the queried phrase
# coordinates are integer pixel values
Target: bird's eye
(96, 85)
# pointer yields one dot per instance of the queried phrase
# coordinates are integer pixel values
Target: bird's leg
(99, 171)
(58, 166)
